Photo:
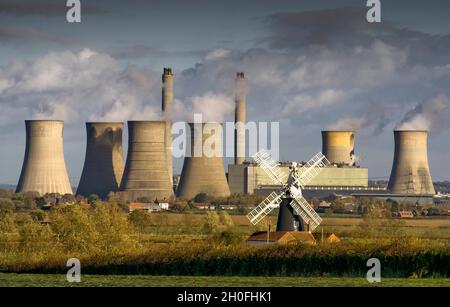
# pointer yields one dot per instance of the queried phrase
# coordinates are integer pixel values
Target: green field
(163, 249)
(47, 280)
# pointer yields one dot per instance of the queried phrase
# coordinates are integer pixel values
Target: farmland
(209, 249)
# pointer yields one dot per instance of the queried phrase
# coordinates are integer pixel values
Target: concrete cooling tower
(240, 120)
(410, 172)
(44, 169)
(167, 101)
(146, 173)
(103, 164)
(339, 146)
(203, 172)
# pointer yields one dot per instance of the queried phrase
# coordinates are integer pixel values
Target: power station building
(341, 175)
(44, 168)
(146, 174)
(103, 164)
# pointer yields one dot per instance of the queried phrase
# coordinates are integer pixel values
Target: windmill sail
(264, 208)
(306, 212)
(263, 159)
(292, 184)
(311, 169)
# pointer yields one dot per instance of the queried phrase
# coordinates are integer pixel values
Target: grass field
(169, 226)
(140, 250)
(47, 280)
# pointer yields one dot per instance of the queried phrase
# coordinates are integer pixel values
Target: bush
(228, 236)
(225, 219)
(212, 222)
(201, 198)
(140, 219)
(7, 204)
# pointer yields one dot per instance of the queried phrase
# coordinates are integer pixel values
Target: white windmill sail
(306, 212)
(311, 169)
(299, 177)
(272, 169)
(264, 208)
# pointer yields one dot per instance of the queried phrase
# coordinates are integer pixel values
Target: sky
(310, 65)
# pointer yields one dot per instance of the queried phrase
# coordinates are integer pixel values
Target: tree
(394, 206)
(68, 199)
(140, 219)
(201, 198)
(180, 205)
(211, 222)
(7, 223)
(225, 219)
(7, 204)
(40, 202)
(93, 199)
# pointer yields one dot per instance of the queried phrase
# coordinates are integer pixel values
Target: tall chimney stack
(44, 169)
(103, 164)
(410, 172)
(240, 120)
(167, 101)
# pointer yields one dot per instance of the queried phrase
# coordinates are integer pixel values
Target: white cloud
(217, 54)
(78, 86)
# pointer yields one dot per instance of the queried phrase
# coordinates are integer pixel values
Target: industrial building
(341, 175)
(203, 172)
(103, 164)
(146, 174)
(44, 168)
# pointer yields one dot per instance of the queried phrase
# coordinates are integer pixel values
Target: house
(406, 214)
(327, 237)
(228, 207)
(150, 207)
(281, 237)
(324, 207)
(205, 206)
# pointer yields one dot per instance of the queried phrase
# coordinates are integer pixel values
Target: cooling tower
(410, 172)
(240, 120)
(44, 169)
(339, 146)
(103, 164)
(146, 173)
(167, 101)
(203, 172)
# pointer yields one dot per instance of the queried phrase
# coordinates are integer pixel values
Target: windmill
(295, 213)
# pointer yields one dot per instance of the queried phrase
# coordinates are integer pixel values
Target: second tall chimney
(240, 120)
(167, 101)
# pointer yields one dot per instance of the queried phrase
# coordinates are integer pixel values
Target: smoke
(427, 115)
(212, 106)
(78, 86)
(377, 118)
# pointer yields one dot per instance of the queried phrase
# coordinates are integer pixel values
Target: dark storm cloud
(348, 27)
(44, 8)
(13, 34)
